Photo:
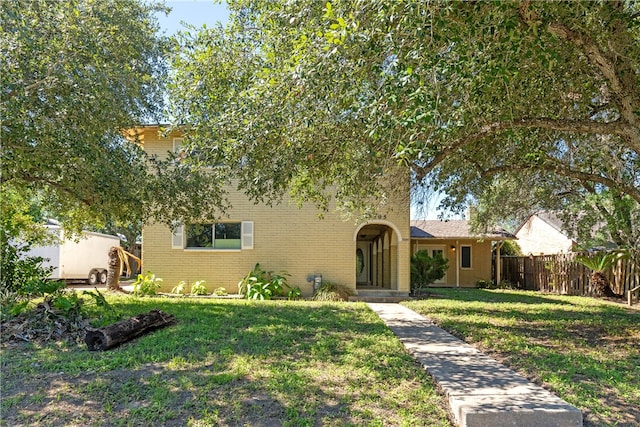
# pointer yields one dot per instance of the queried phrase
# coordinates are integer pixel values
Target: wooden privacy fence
(562, 274)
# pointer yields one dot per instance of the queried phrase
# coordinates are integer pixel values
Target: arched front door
(376, 257)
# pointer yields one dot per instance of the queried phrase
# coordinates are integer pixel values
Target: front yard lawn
(585, 350)
(226, 363)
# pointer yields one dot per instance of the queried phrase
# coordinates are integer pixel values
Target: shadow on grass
(586, 351)
(229, 363)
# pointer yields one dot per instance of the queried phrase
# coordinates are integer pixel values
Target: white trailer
(85, 259)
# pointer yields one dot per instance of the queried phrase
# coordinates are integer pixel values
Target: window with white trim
(195, 155)
(465, 256)
(219, 235)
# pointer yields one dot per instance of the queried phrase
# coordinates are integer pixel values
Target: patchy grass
(227, 362)
(585, 350)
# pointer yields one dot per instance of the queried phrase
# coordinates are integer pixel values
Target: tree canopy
(510, 106)
(75, 75)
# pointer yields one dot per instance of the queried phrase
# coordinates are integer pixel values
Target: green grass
(227, 362)
(585, 350)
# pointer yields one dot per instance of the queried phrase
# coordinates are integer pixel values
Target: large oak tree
(75, 75)
(511, 106)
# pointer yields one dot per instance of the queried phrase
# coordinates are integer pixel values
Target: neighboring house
(543, 234)
(374, 255)
(469, 254)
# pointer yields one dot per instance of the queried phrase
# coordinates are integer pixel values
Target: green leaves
(326, 99)
(75, 75)
(262, 285)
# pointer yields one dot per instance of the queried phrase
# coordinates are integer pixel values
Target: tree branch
(56, 185)
(606, 66)
(584, 126)
(567, 172)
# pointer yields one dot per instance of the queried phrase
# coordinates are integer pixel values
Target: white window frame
(246, 238)
(177, 144)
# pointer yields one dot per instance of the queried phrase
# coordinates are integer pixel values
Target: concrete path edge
(481, 392)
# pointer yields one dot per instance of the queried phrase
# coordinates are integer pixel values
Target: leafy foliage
(426, 269)
(260, 284)
(19, 231)
(199, 287)
(329, 291)
(75, 74)
(514, 106)
(19, 272)
(601, 263)
(294, 293)
(220, 291)
(510, 248)
(179, 288)
(146, 284)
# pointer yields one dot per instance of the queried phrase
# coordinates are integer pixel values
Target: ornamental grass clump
(329, 291)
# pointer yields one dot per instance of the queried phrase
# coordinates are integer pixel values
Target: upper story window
(195, 155)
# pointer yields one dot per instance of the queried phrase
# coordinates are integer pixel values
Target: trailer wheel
(103, 277)
(93, 277)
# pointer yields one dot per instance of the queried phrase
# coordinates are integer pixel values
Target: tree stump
(126, 330)
(115, 269)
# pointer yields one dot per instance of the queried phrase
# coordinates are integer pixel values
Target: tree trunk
(602, 285)
(126, 330)
(115, 270)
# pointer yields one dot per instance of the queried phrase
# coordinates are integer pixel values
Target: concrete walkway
(481, 392)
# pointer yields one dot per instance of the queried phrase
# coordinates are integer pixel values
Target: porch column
(498, 266)
(458, 255)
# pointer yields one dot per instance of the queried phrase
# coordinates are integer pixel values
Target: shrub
(484, 284)
(199, 288)
(329, 291)
(294, 293)
(19, 272)
(179, 288)
(426, 269)
(260, 284)
(510, 248)
(147, 284)
(220, 292)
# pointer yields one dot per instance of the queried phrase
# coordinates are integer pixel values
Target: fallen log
(126, 330)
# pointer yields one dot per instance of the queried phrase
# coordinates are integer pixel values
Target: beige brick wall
(465, 277)
(285, 238)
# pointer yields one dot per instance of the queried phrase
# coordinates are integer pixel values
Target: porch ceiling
(371, 232)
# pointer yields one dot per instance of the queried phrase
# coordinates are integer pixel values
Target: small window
(465, 256)
(195, 156)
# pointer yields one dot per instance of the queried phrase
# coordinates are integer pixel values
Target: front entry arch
(377, 256)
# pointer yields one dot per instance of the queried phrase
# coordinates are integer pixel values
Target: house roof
(458, 229)
(548, 217)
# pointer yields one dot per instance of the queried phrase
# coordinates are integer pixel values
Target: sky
(194, 12)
